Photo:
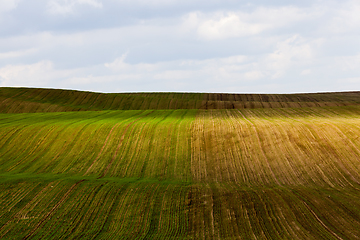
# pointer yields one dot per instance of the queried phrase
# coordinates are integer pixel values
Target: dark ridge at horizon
(24, 100)
(190, 92)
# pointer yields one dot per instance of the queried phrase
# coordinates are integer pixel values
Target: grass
(262, 173)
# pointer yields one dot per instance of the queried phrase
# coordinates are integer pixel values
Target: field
(81, 165)
(28, 100)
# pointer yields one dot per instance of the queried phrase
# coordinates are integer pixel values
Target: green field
(82, 165)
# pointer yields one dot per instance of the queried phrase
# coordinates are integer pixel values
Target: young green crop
(266, 173)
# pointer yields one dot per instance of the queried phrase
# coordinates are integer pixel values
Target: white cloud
(68, 6)
(17, 54)
(226, 26)
(346, 19)
(306, 72)
(229, 24)
(181, 74)
(347, 63)
(8, 5)
(40, 74)
(173, 75)
(119, 65)
(174, 45)
(253, 75)
(349, 80)
(292, 51)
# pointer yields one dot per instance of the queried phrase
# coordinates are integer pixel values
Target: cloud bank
(197, 46)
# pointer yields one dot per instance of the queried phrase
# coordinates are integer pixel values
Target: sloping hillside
(17, 100)
(262, 173)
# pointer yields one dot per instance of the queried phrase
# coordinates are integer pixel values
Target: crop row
(282, 173)
(115, 143)
(42, 208)
(264, 147)
(271, 147)
(21, 100)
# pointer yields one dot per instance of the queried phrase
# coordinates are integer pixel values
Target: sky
(233, 46)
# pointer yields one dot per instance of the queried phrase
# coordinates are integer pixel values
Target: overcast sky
(256, 46)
